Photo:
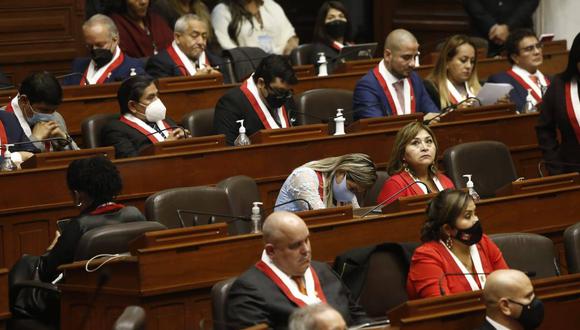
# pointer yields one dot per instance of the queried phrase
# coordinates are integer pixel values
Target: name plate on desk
(57, 158)
(476, 113)
(289, 134)
(408, 203)
(539, 184)
(357, 65)
(382, 123)
(185, 145)
(190, 82)
(323, 216)
(178, 236)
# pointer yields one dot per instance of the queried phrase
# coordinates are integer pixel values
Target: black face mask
(101, 56)
(532, 314)
(336, 29)
(471, 235)
(277, 100)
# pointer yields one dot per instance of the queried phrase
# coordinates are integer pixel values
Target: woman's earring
(449, 242)
(405, 166)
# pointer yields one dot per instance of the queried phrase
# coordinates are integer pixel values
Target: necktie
(535, 80)
(300, 282)
(399, 88)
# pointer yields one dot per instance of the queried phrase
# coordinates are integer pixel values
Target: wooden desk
(29, 215)
(173, 282)
(560, 295)
(4, 308)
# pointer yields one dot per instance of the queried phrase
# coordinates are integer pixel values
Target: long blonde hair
(357, 167)
(439, 74)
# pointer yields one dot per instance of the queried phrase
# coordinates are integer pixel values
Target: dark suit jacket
(121, 73)
(486, 326)
(162, 65)
(254, 299)
(14, 132)
(234, 105)
(369, 99)
(128, 142)
(484, 14)
(554, 117)
(519, 94)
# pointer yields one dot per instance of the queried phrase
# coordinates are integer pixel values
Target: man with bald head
(107, 63)
(285, 278)
(392, 87)
(316, 317)
(510, 302)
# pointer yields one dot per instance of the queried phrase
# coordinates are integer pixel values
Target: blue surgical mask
(38, 117)
(341, 192)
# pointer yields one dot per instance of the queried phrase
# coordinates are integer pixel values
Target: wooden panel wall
(39, 35)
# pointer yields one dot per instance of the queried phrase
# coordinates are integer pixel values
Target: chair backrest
(302, 54)
(490, 163)
(319, 105)
(91, 129)
(133, 318)
(244, 61)
(527, 252)
(163, 205)
(199, 122)
(219, 295)
(572, 247)
(112, 238)
(371, 195)
(242, 191)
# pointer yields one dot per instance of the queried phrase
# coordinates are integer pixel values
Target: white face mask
(155, 111)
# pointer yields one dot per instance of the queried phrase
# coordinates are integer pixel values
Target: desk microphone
(8, 145)
(541, 162)
(212, 216)
(440, 282)
(169, 128)
(321, 119)
(290, 201)
(451, 108)
(8, 87)
(62, 76)
(388, 200)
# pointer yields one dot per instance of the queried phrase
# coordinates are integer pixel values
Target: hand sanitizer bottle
(339, 122)
(322, 65)
(529, 107)
(242, 139)
(471, 188)
(256, 218)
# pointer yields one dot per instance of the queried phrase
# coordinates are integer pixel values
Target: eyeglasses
(531, 48)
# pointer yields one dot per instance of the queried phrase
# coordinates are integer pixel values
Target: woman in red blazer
(455, 255)
(413, 158)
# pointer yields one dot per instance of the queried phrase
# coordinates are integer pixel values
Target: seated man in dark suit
(264, 100)
(510, 302)
(107, 62)
(187, 55)
(285, 279)
(392, 88)
(11, 132)
(143, 121)
(524, 51)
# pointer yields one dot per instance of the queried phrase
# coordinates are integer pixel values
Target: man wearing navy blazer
(187, 55)
(107, 62)
(524, 51)
(392, 87)
(11, 132)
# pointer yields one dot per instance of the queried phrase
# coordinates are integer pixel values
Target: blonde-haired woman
(413, 159)
(327, 182)
(454, 77)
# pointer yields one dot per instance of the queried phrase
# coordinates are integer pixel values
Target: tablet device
(358, 52)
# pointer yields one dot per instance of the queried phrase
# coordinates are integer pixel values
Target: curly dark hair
(97, 176)
(443, 209)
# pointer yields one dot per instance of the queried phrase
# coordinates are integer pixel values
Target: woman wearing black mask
(331, 32)
(455, 255)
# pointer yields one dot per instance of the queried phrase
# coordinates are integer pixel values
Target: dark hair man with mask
(143, 120)
(510, 302)
(107, 62)
(264, 100)
(39, 95)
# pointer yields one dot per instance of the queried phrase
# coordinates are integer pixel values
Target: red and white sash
(337, 45)
(14, 107)
(107, 208)
(3, 139)
(290, 289)
(185, 65)
(474, 252)
(573, 106)
(420, 189)
(147, 130)
(92, 76)
(523, 78)
(381, 73)
(455, 96)
(251, 91)
(320, 185)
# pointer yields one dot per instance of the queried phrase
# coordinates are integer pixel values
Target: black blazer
(255, 299)
(128, 142)
(162, 65)
(14, 132)
(486, 326)
(234, 105)
(553, 118)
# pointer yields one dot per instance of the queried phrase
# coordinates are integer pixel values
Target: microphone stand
(388, 200)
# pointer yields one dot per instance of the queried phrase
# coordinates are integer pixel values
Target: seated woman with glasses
(524, 51)
(263, 101)
(454, 77)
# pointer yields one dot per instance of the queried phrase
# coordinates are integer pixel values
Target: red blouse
(400, 180)
(432, 266)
